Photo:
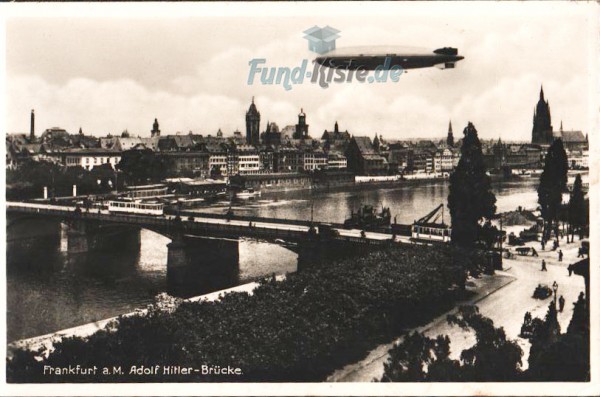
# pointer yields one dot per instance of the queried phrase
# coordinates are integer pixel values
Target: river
(48, 290)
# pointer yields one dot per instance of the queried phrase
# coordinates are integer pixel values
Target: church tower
(376, 143)
(301, 127)
(542, 123)
(450, 138)
(155, 131)
(252, 125)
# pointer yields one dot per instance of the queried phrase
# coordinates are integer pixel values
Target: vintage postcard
(345, 198)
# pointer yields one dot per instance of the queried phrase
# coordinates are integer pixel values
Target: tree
(141, 166)
(489, 234)
(492, 358)
(417, 353)
(470, 199)
(577, 209)
(215, 172)
(31, 177)
(561, 357)
(553, 182)
(580, 321)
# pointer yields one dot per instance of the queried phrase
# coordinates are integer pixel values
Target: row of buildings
(277, 151)
(290, 149)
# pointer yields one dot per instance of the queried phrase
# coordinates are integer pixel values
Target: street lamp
(555, 288)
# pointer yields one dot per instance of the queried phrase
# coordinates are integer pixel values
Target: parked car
(542, 291)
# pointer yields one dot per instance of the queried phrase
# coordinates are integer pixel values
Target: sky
(111, 68)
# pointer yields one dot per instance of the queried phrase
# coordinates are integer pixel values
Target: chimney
(32, 127)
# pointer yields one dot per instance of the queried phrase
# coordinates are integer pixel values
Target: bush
(299, 329)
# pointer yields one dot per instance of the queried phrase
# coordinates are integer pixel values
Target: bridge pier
(177, 258)
(74, 237)
(79, 236)
(201, 263)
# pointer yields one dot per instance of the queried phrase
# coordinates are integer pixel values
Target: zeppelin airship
(372, 57)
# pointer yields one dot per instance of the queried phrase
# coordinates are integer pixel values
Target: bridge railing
(185, 226)
(250, 218)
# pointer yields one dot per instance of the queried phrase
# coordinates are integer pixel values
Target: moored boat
(247, 194)
(366, 217)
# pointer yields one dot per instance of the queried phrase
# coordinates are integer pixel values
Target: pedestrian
(534, 252)
(543, 244)
(570, 269)
(561, 303)
(544, 265)
(560, 255)
(580, 252)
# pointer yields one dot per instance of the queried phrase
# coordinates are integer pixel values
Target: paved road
(506, 307)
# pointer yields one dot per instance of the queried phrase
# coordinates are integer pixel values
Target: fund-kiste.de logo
(321, 41)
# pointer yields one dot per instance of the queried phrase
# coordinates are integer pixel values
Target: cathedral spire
(542, 121)
(450, 138)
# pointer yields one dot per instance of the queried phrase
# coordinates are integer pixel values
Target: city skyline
(109, 75)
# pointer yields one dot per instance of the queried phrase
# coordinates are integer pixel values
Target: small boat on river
(366, 218)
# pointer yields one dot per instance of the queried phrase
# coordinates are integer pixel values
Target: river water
(49, 290)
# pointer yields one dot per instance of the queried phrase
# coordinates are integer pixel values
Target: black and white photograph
(337, 198)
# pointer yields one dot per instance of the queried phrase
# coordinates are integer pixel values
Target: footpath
(504, 298)
(371, 367)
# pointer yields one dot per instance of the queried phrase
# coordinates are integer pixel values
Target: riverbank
(45, 343)
(298, 329)
(356, 184)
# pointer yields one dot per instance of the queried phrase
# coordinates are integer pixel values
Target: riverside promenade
(504, 297)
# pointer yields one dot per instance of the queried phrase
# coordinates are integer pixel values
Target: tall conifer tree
(471, 198)
(553, 182)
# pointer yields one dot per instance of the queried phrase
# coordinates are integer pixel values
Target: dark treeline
(554, 356)
(29, 180)
(299, 329)
(136, 167)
